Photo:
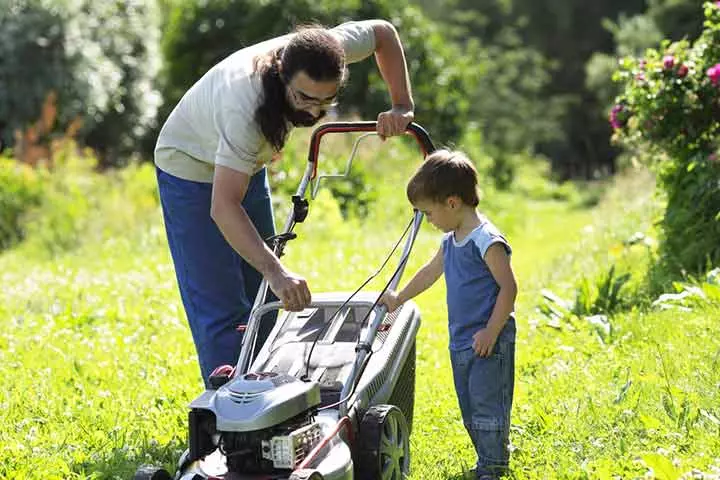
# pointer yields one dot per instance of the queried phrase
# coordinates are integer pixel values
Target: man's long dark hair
(313, 50)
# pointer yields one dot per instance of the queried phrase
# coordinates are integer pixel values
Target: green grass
(98, 366)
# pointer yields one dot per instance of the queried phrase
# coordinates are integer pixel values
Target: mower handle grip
(413, 128)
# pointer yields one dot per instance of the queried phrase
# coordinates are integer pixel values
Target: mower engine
(263, 423)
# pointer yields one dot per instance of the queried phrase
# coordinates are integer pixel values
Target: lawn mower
(329, 394)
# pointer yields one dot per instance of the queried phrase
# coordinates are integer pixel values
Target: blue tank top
(471, 289)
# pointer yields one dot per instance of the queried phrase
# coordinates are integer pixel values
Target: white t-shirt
(214, 121)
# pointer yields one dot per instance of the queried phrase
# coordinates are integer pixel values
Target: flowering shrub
(669, 116)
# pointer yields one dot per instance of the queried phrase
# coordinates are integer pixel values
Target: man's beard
(302, 118)
(276, 115)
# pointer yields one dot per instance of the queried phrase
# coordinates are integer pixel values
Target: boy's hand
(390, 300)
(484, 342)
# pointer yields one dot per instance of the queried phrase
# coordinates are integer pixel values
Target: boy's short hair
(443, 174)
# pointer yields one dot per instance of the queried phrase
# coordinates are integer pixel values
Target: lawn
(98, 365)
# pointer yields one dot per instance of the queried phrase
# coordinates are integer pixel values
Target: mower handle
(413, 128)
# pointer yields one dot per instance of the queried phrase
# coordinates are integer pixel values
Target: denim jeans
(218, 288)
(484, 387)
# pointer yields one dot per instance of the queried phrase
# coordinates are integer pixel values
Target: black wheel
(383, 444)
(148, 472)
(306, 474)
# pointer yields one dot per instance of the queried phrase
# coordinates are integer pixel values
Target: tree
(101, 58)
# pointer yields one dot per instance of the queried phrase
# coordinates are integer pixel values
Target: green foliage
(20, 190)
(632, 36)
(31, 30)
(100, 57)
(603, 296)
(595, 301)
(505, 80)
(78, 206)
(558, 38)
(610, 265)
(692, 220)
(62, 218)
(693, 295)
(534, 180)
(516, 116)
(128, 34)
(668, 114)
(677, 19)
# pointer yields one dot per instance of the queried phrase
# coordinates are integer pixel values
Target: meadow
(97, 363)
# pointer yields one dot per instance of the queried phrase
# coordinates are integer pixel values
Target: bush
(20, 190)
(30, 30)
(79, 206)
(668, 115)
(100, 57)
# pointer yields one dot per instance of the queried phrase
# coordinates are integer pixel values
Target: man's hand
(390, 300)
(291, 289)
(394, 121)
(484, 342)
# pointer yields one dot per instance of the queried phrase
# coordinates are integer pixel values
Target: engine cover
(256, 401)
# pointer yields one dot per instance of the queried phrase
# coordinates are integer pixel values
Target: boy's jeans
(484, 389)
(217, 286)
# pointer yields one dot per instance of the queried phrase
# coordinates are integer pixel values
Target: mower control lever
(277, 242)
(300, 208)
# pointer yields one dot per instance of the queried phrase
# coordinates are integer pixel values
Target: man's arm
(361, 39)
(229, 189)
(390, 58)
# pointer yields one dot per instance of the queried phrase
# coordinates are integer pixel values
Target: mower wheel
(148, 472)
(306, 474)
(383, 444)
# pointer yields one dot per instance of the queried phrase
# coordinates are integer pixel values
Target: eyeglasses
(301, 98)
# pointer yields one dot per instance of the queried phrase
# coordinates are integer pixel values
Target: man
(211, 156)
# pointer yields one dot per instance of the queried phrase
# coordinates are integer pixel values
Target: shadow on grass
(469, 474)
(124, 462)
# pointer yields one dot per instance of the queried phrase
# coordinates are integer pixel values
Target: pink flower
(668, 62)
(682, 71)
(640, 77)
(617, 116)
(714, 73)
(717, 4)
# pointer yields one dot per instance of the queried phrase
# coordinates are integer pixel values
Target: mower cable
(306, 377)
(360, 344)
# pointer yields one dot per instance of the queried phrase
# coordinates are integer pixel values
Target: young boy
(481, 290)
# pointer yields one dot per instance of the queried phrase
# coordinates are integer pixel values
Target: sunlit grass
(98, 365)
